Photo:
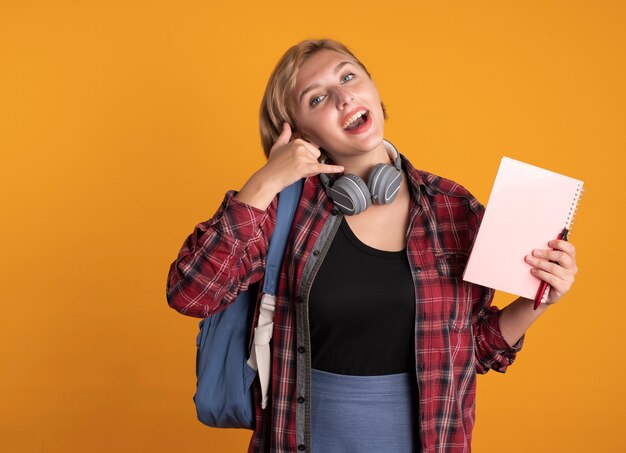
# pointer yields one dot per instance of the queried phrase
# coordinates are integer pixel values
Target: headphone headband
(397, 162)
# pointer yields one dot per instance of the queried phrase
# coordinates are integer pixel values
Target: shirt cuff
(238, 219)
(497, 340)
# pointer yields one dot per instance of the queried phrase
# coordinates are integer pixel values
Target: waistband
(343, 384)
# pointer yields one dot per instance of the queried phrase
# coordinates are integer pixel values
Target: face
(337, 106)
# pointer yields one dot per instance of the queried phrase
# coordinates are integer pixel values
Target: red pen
(543, 291)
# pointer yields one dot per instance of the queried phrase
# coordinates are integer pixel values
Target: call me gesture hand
(290, 159)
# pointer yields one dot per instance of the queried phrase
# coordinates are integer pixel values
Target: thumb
(284, 136)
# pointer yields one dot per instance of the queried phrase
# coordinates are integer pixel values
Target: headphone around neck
(351, 195)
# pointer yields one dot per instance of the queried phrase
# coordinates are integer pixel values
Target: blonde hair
(276, 106)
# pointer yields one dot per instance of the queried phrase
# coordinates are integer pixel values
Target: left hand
(557, 267)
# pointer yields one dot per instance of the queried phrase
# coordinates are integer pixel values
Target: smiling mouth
(355, 121)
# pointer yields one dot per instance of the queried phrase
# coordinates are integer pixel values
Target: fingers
(556, 267)
(287, 136)
(548, 266)
(563, 253)
(292, 158)
(558, 286)
(284, 136)
(325, 168)
(556, 256)
(314, 150)
(308, 144)
(549, 278)
(564, 246)
(555, 262)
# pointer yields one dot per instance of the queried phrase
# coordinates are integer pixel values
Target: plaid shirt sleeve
(222, 257)
(491, 349)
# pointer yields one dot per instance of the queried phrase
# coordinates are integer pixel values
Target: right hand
(289, 161)
(293, 159)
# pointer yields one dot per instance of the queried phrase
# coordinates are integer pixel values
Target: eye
(347, 78)
(316, 100)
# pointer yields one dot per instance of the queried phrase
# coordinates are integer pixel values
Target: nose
(343, 97)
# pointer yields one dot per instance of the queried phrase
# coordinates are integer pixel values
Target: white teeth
(354, 117)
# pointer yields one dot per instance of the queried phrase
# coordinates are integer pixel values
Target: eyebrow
(312, 87)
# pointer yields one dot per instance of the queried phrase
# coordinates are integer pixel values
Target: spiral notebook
(528, 207)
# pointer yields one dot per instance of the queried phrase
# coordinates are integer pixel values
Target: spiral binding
(571, 216)
(573, 210)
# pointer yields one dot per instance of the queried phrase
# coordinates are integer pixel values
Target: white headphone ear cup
(384, 183)
(350, 195)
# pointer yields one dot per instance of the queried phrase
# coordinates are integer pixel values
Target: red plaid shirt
(457, 330)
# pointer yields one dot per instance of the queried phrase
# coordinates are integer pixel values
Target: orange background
(122, 123)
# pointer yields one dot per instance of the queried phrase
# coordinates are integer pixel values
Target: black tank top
(362, 310)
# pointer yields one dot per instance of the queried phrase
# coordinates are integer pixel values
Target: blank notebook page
(528, 207)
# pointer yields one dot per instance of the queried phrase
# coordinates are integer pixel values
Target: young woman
(377, 339)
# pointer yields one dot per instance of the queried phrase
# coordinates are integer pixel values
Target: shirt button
(334, 211)
(300, 299)
(301, 350)
(301, 399)
(316, 252)
(301, 447)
